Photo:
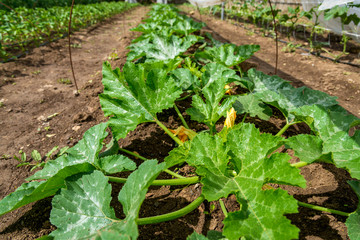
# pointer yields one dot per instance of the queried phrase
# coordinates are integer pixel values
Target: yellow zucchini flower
(230, 118)
(183, 133)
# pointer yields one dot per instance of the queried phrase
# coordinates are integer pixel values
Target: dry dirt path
(31, 91)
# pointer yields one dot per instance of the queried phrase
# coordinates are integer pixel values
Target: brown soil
(30, 92)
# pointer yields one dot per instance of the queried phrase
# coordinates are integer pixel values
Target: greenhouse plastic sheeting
(205, 3)
(327, 4)
(335, 24)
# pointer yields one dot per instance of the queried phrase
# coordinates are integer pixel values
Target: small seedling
(36, 156)
(290, 47)
(250, 33)
(113, 56)
(65, 81)
(5, 156)
(37, 72)
(76, 45)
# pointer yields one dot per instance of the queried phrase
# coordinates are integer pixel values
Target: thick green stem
(223, 208)
(299, 164)
(243, 120)
(162, 182)
(145, 159)
(181, 116)
(345, 40)
(240, 70)
(177, 140)
(183, 98)
(212, 128)
(285, 128)
(323, 209)
(173, 215)
(133, 154)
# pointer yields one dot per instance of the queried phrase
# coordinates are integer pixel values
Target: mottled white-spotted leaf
(135, 95)
(332, 141)
(228, 54)
(83, 207)
(83, 157)
(248, 151)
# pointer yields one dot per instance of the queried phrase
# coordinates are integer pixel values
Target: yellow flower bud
(228, 89)
(230, 118)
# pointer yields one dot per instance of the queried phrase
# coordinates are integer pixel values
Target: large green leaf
(215, 71)
(261, 214)
(186, 26)
(164, 49)
(345, 151)
(133, 192)
(147, 27)
(277, 92)
(228, 54)
(123, 230)
(210, 111)
(262, 82)
(251, 104)
(326, 122)
(34, 191)
(353, 221)
(83, 157)
(214, 79)
(116, 163)
(161, 48)
(135, 96)
(332, 142)
(139, 48)
(185, 79)
(308, 148)
(131, 197)
(83, 207)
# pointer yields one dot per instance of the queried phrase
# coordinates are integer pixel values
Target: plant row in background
(25, 26)
(293, 20)
(43, 3)
(168, 63)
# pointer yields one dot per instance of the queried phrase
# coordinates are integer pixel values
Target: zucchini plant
(236, 159)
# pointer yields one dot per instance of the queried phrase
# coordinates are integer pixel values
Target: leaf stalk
(299, 164)
(162, 182)
(287, 125)
(323, 209)
(145, 159)
(177, 140)
(173, 215)
(223, 208)
(181, 116)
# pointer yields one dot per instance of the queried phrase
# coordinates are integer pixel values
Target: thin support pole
(276, 39)
(69, 41)
(222, 10)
